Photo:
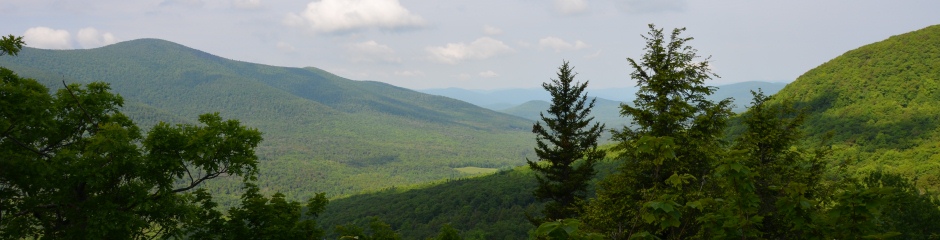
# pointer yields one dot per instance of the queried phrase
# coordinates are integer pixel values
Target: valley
(861, 127)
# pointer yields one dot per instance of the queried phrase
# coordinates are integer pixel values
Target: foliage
(448, 232)
(11, 45)
(257, 217)
(564, 229)
(762, 178)
(667, 158)
(566, 147)
(378, 230)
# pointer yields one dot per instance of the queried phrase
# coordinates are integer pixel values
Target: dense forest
(880, 103)
(848, 150)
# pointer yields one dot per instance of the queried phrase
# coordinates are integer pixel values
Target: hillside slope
(322, 132)
(881, 102)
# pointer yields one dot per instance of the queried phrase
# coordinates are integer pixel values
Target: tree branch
(23, 145)
(79, 104)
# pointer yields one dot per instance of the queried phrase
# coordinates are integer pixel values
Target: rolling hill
(322, 132)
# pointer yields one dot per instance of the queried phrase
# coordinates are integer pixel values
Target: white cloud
(491, 30)
(332, 16)
(651, 6)
(247, 4)
(571, 7)
(414, 73)
(92, 38)
(488, 74)
(48, 38)
(371, 51)
(559, 44)
(482, 48)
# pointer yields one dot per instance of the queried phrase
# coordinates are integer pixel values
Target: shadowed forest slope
(881, 102)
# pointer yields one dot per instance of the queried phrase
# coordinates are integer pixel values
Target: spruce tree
(669, 151)
(567, 137)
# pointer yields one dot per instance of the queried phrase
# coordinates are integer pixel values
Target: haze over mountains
(321, 132)
(510, 98)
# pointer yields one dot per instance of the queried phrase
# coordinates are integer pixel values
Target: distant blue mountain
(507, 99)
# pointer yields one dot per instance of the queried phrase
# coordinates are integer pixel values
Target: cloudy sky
(478, 44)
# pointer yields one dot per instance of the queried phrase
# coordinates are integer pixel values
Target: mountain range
(505, 99)
(322, 132)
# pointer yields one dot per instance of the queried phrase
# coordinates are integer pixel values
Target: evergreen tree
(666, 158)
(762, 176)
(568, 136)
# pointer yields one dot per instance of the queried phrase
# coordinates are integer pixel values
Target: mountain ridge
(322, 132)
(504, 99)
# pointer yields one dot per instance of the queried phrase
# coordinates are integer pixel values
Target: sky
(479, 44)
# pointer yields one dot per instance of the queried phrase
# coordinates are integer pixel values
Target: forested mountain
(882, 104)
(321, 132)
(878, 102)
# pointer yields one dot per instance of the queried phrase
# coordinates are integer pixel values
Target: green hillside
(322, 132)
(881, 102)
